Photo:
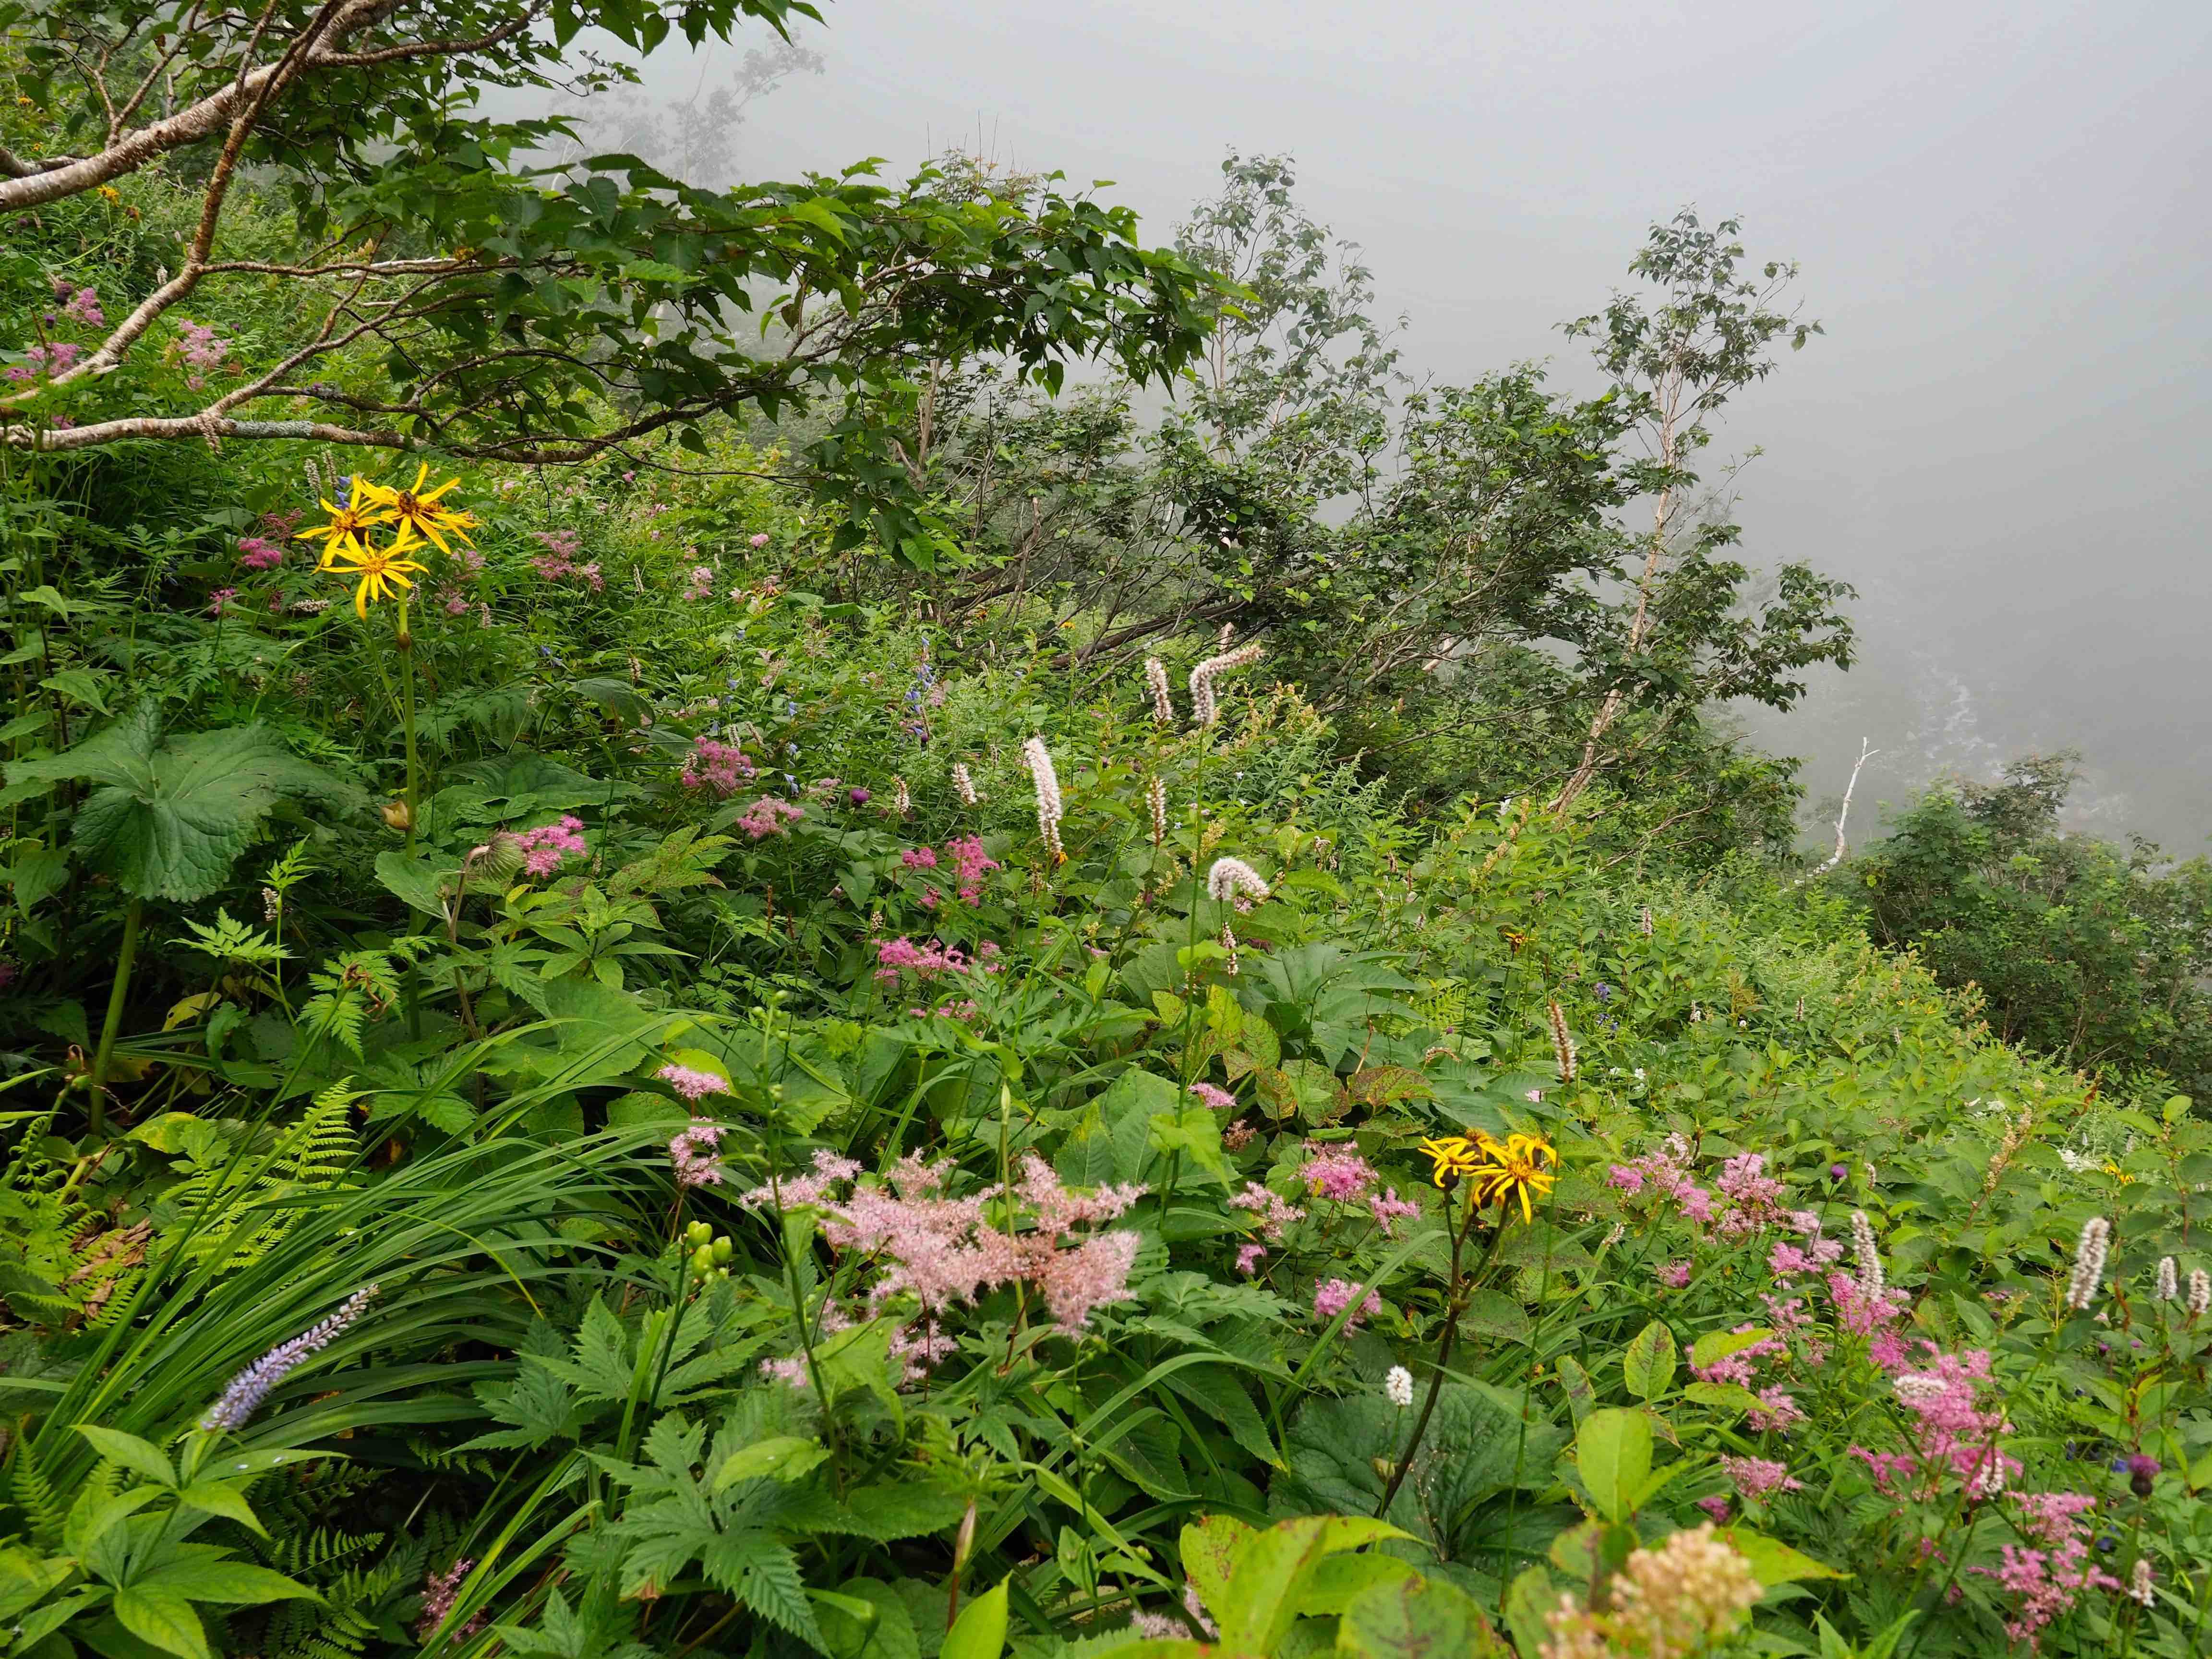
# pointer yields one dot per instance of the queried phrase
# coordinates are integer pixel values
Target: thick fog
(2001, 212)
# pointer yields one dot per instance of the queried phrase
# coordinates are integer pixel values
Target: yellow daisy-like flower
(385, 571)
(1455, 1156)
(1521, 1165)
(349, 525)
(417, 509)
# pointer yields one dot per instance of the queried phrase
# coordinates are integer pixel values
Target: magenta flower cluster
(545, 848)
(1333, 1295)
(695, 1152)
(717, 766)
(769, 816)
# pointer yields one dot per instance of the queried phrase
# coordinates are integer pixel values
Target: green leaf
(1414, 1618)
(1719, 1344)
(780, 1457)
(1613, 1449)
(980, 1631)
(217, 1498)
(163, 1618)
(169, 820)
(1530, 1598)
(1773, 1562)
(1648, 1366)
(238, 1582)
(93, 1514)
(130, 1452)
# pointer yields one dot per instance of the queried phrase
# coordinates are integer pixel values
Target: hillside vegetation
(677, 987)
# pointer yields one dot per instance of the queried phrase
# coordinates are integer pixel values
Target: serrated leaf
(169, 820)
(129, 1451)
(780, 1457)
(1648, 1366)
(162, 1619)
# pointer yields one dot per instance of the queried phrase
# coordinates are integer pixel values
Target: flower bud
(398, 814)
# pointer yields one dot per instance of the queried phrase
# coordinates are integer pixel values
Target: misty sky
(2001, 212)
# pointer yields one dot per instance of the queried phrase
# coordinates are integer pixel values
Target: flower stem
(96, 1116)
(1454, 1307)
(405, 641)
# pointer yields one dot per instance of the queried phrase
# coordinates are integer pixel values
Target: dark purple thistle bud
(251, 1386)
(1838, 1171)
(858, 797)
(2141, 1471)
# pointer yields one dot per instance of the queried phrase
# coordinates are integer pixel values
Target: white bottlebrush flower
(902, 797)
(2169, 1280)
(1203, 711)
(2089, 1256)
(1398, 1386)
(2140, 1582)
(1156, 796)
(1865, 1257)
(1232, 880)
(963, 785)
(1050, 811)
(1229, 944)
(1156, 681)
(2200, 1292)
(1562, 1042)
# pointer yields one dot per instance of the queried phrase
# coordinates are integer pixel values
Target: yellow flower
(417, 510)
(1455, 1156)
(349, 525)
(1521, 1165)
(109, 193)
(385, 571)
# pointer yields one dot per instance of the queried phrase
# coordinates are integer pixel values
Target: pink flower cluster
(546, 847)
(813, 1188)
(1273, 1212)
(1389, 1210)
(1786, 1260)
(1214, 1099)
(80, 305)
(1333, 1295)
(258, 553)
(693, 1086)
(1338, 1174)
(1871, 1317)
(970, 865)
(1951, 1429)
(1667, 1171)
(694, 1153)
(2048, 1581)
(52, 358)
(700, 583)
(1759, 1477)
(1755, 1197)
(202, 352)
(558, 560)
(713, 764)
(769, 816)
(941, 1250)
(902, 954)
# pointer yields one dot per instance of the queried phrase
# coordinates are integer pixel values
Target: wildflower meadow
(659, 1001)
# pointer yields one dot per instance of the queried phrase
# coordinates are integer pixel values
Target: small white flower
(1399, 1386)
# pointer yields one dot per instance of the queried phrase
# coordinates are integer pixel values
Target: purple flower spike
(251, 1386)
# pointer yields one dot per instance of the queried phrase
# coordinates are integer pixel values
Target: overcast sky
(2003, 217)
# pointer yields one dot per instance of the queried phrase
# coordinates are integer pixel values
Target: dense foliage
(2098, 956)
(694, 1052)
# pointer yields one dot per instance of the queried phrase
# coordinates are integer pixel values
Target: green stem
(406, 643)
(121, 988)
